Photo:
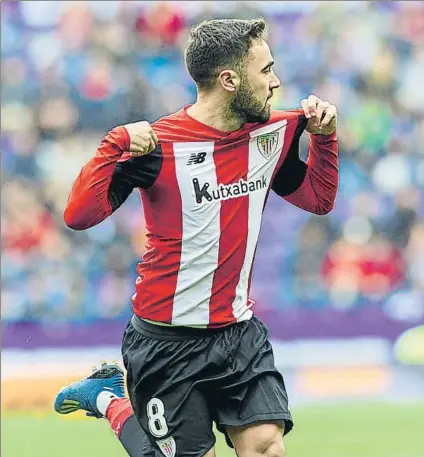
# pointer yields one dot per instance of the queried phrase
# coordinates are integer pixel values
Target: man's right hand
(143, 138)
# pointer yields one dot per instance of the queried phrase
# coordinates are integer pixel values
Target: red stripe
(233, 239)
(118, 412)
(158, 273)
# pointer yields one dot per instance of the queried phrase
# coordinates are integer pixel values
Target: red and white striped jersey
(203, 193)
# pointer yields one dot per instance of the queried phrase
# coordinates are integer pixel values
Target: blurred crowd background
(73, 70)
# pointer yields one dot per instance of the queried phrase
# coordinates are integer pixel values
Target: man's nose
(275, 83)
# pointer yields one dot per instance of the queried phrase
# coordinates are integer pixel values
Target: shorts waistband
(173, 333)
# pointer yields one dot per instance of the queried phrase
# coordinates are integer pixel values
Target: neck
(214, 111)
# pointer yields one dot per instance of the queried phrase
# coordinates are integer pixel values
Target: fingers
(313, 102)
(142, 145)
(154, 136)
(320, 113)
(152, 143)
(309, 106)
(321, 110)
(304, 105)
(330, 113)
(143, 138)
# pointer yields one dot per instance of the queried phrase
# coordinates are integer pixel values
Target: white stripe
(276, 126)
(200, 237)
(258, 166)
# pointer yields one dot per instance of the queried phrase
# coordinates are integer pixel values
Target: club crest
(167, 446)
(267, 144)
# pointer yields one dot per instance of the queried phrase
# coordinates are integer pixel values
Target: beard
(248, 108)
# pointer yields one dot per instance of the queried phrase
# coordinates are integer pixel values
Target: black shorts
(181, 380)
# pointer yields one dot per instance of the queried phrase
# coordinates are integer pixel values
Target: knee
(266, 442)
(272, 446)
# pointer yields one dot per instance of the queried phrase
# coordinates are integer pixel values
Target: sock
(121, 417)
(103, 401)
(135, 441)
(117, 412)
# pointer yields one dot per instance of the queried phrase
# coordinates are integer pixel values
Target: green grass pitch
(342, 430)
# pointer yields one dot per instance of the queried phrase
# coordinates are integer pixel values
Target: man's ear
(229, 80)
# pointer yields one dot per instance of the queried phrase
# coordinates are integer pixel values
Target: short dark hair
(219, 43)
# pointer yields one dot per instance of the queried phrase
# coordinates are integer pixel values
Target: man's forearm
(89, 202)
(318, 190)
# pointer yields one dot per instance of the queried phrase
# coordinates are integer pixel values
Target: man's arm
(107, 180)
(313, 185)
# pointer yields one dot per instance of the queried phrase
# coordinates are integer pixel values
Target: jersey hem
(173, 332)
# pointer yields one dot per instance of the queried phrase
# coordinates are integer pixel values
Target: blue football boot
(93, 393)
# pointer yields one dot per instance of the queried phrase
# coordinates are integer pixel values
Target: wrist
(323, 137)
(323, 130)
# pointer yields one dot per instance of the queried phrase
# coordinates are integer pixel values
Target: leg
(252, 406)
(264, 439)
(102, 395)
(127, 429)
(163, 377)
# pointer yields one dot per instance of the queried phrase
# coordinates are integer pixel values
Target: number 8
(157, 423)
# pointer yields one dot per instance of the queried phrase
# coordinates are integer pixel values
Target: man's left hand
(321, 115)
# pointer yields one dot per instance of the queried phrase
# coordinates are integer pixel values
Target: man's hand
(143, 138)
(322, 116)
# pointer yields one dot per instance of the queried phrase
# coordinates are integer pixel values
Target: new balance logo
(196, 158)
(225, 192)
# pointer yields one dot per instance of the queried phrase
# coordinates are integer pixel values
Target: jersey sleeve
(311, 185)
(107, 180)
